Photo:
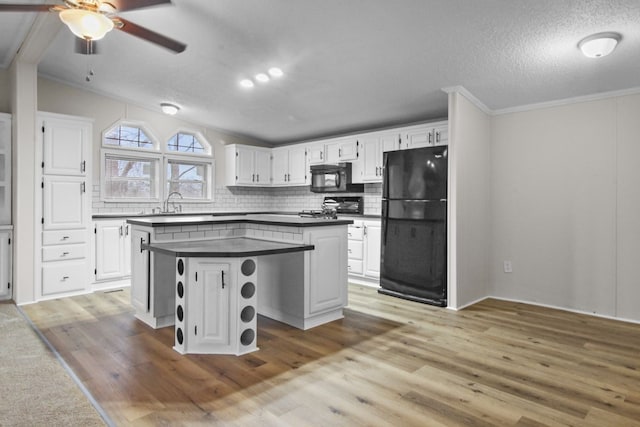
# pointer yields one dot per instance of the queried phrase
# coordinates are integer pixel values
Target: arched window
(128, 136)
(184, 142)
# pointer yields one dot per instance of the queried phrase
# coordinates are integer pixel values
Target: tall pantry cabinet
(65, 221)
(5, 208)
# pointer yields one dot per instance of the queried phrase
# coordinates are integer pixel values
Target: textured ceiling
(350, 65)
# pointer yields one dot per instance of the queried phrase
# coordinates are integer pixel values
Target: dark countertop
(270, 219)
(181, 214)
(226, 248)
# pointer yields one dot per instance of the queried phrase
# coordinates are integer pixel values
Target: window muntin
(127, 136)
(129, 177)
(184, 142)
(188, 177)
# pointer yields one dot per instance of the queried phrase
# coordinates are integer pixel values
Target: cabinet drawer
(354, 233)
(62, 237)
(67, 276)
(64, 252)
(354, 266)
(354, 249)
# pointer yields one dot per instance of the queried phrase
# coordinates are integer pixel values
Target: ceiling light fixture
(246, 83)
(275, 72)
(599, 45)
(262, 78)
(169, 109)
(86, 24)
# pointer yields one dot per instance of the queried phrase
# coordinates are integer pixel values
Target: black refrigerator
(413, 261)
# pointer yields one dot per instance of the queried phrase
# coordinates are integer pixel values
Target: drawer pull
(65, 237)
(64, 253)
(65, 278)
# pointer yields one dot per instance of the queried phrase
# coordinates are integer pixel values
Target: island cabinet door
(209, 307)
(328, 271)
(140, 272)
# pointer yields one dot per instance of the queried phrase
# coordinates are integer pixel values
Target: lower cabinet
(65, 265)
(5, 265)
(364, 250)
(216, 305)
(112, 250)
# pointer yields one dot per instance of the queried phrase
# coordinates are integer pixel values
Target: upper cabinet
(65, 146)
(289, 166)
(341, 150)
(315, 153)
(427, 135)
(372, 147)
(247, 165)
(5, 169)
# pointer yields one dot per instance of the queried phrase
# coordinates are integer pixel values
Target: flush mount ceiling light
(599, 45)
(169, 109)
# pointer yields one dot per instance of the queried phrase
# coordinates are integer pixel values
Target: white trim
(47, 114)
(135, 155)
(208, 162)
(464, 92)
(568, 101)
(133, 124)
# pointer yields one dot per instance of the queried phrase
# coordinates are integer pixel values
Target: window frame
(208, 149)
(122, 153)
(208, 163)
(131, 123)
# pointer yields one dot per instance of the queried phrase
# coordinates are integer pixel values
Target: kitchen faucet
(166, 202)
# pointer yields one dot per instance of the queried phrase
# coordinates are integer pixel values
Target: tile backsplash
(246, 199)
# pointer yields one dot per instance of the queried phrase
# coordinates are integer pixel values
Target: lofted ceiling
(349, 64)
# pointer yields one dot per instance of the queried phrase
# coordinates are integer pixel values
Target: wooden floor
(389, 362)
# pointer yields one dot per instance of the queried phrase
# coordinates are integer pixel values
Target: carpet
(35, 388)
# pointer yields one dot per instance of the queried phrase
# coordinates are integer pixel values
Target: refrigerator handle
(385, 184)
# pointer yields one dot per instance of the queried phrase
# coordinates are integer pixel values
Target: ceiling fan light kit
(599, 45)
(86, 24)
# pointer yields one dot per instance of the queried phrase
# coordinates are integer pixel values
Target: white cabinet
(5, 169)
(327, 291)
(372, 232)
(289, 166)
(247, 166)
(5, 263)
(113, 249)
(66, 154)
(315, 153)
(372, 147)
(341, 150)
(427, 135)
(364, 250)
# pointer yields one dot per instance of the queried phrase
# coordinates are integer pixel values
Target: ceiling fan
(90, 20)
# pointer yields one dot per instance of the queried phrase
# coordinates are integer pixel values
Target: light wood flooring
(389, 362)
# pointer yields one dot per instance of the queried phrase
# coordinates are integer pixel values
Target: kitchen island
(210, 275)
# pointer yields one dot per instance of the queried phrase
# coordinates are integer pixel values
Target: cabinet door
(327, 288)
(315, 154)
(5, 265)
(280, 166)
(209, 302)
(298, 169)
(109, 257)
(390, 142)
(372, 248)
(371, 160)
(263, 167)
(64, 203)
(245, 166)
(5, 170)
(348, 149)
(140, 285)
(441, 134)
(421, 137)
(65, 145)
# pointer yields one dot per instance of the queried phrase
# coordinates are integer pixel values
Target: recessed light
(275, 72)
(169, 109)
(262, 78)
(246, 83)
(599, 45)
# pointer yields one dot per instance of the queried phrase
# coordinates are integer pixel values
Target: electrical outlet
(507, 267)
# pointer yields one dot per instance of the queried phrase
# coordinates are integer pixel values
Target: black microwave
(333, 178)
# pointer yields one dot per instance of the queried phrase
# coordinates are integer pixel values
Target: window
(189, 178)
(127, 176)
(132, 165)
(183, 142)
(127, 136)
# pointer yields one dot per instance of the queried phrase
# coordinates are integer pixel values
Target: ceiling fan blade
(124, 5)
(151, 36)
(26, 7)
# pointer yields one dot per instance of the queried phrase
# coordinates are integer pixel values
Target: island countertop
(223, 248)
(285, 220)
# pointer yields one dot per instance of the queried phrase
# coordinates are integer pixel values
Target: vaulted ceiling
(348, 64)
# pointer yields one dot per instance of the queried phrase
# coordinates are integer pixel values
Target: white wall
(565, 205)
(469, 235)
